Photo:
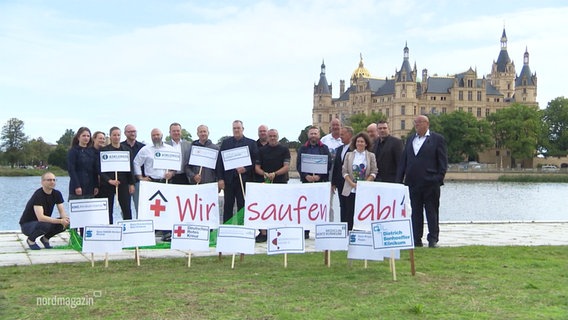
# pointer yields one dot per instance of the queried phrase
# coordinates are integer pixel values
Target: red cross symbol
(157, 207)
(179, 231)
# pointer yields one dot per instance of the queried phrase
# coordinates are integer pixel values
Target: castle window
(443, 98)
(422, 110)
(487, 111)
(460, 95)
(319, 118)
(525, 90)
(469, 110)
(508, 86)
(432, 98)
(330, 117)
(460, 109)
(470, 83)
(402, 110)
(444, 110)
(478, 95)
(388, 112)
(434, 111)
(469, 96)
(402, 125)
(414, 110)
(479, 112)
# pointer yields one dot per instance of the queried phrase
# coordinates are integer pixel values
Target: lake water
(460, 201)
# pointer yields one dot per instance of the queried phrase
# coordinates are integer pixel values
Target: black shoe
(45, 243)
(306, 234)
(433, 245)
(260, 238)
(33, 245)
(167, 237)
(418, 244)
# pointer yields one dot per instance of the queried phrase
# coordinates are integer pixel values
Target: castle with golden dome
(402, 97)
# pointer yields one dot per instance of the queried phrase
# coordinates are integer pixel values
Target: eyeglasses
(49, 180)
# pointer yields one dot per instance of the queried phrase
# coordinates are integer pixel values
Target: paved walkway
(14, 250)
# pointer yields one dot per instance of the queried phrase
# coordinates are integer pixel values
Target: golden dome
(361, 71)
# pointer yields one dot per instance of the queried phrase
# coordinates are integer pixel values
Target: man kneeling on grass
(36, 220)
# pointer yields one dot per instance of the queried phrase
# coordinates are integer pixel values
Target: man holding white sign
(317, 169)
(233, 179)
(197, 174)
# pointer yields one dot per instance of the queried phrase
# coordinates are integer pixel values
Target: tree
(465, 135)
(517, 128)
(185, 135)
(36, 152)
(554, 139)
(13, 140)
(66, 138)
(303, 137)
(360, 121)
(58, 157)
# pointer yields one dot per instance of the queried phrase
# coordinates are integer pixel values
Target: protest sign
(203, 157)
(314, 163)
(270, 205)
(236, 157)
(285, 240)
(169, 204)
(102, 239)
(361, 247)
(393, 234)
(332, 236)
(379, 201)
(236, 239)
(168, 160)
(115, 161)
(137, 233)
(84, 212)
(190, 237)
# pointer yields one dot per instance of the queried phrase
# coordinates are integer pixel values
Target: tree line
(523, 130)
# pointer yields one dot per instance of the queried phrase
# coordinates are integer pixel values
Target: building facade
(404, 96)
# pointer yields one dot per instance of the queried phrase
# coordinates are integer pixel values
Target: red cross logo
(179, 231)
(157, 207)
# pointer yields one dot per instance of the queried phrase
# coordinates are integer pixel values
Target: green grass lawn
(450, 283)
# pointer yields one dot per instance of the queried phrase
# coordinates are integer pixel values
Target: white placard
(236, 157)
(168, 160)
(84, 212)
(235, 239)
(269, 205)
(332, 236)
(115, 161)
(169, 204)
(361, 247)
(203, 157)
(285, 240)
(137, 233)
(380, 201)
(102, 239)
(314, 163)
(190, 237)
(393, 234)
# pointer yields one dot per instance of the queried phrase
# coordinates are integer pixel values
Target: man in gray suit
(184, 148)
(423, 166)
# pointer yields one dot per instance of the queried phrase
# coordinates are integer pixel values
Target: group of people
(374, 155)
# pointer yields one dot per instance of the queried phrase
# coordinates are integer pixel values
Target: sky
(66, 64)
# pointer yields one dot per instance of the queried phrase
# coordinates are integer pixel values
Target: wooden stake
(328, 258)
(137, 254)
(92, 260)
(412, 266)
(365, 263)
(393, 266)
(285, 260)
(189, 259)
(233, 262)
(200, 168)
(106, 259)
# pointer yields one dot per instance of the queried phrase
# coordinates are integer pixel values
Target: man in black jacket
(423, 167)
(388, 150)
(230, 180)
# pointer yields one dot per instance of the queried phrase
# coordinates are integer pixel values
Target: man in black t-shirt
(36, 220)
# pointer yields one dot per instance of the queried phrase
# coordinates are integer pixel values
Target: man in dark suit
(230, 180)
(337, 180)
(423, 166)
(388, 150)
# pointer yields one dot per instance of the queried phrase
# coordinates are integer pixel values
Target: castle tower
(525, 84)
(503, 71)
(405, 99)
(322, 104)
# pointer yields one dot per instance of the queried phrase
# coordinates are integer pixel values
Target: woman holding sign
(358, 165)
(120, 183)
